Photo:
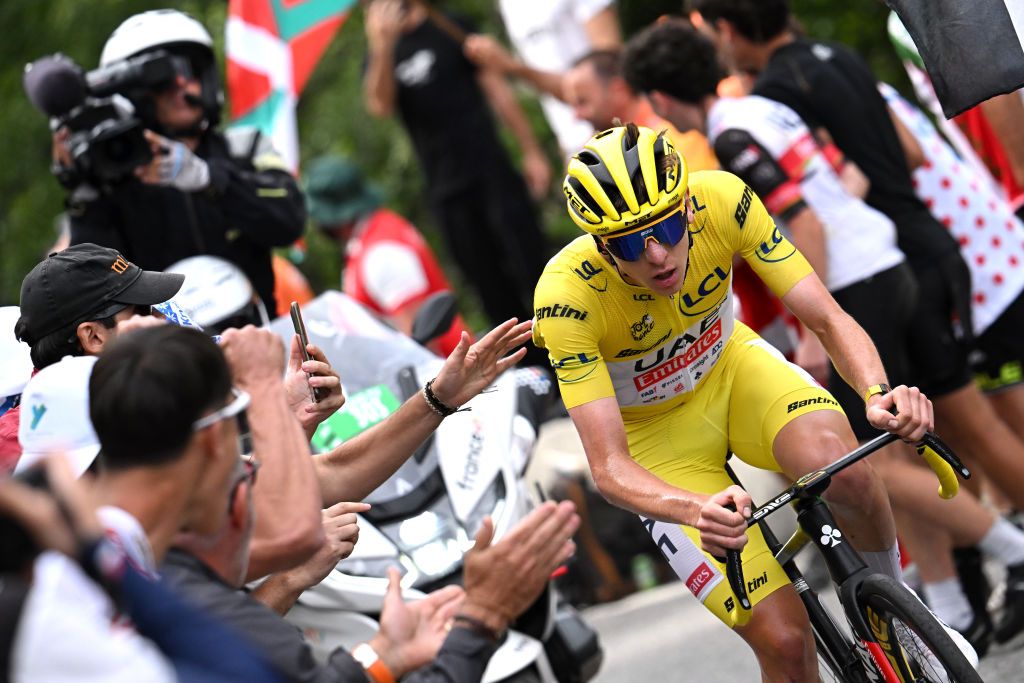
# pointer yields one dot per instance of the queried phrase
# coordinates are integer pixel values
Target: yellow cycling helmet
(623, 178)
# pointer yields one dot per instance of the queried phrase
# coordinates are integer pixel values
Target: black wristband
(442, 409)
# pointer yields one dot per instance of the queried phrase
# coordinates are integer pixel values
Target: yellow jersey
(606, 337)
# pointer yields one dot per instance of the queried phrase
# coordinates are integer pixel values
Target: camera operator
(202, 192)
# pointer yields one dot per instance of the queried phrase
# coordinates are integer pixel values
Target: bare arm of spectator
(853, 180)
(487, 53)
(911, 147)
(536, 169)
(603, 29)
(297, 385)
(383, 27)
(287, 503)
(357, 467)
(1005, 113)
(280, 591)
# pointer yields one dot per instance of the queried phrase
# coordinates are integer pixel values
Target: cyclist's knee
(815, 451)
(855, 486)
(787, 653)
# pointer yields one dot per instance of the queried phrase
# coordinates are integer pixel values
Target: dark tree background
(331, 113)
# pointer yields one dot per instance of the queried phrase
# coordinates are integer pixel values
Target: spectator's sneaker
(969, 568)
(1012, 621)
(979, 633)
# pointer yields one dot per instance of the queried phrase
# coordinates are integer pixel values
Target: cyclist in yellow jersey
(662, 382)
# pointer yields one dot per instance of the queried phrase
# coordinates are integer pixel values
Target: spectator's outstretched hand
(502, 580)
(471, 368)
(311, 373)
(412, 633)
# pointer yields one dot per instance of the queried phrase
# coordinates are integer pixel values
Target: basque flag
(973, 50)
(273, 46)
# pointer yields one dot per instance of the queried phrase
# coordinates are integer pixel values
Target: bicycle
(890, 625)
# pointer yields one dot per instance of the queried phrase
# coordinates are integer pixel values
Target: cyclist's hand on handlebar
(722, 529)
(913, 415)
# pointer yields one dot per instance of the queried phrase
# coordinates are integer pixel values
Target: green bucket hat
(336, 191)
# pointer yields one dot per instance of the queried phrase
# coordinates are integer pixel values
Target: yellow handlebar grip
(949, 486)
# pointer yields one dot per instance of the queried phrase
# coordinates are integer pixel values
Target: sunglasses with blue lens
(667, 232)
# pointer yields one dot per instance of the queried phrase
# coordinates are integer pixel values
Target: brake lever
(734, 573)
(942, 450)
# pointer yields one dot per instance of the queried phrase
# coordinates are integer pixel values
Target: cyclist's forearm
(633, 488)
(852, 352)
(847, 344)
(618, 477)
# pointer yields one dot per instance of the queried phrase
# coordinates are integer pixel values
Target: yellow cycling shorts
(751, 394)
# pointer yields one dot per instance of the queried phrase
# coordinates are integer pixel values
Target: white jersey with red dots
(991, 237)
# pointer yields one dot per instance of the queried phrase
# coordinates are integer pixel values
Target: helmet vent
(660, 161)
(631, 155)
(585, 197)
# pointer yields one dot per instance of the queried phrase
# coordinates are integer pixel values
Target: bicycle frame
(847, 569)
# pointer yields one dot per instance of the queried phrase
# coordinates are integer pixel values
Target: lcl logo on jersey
(587, 271)
(706, 287)
(769, 251)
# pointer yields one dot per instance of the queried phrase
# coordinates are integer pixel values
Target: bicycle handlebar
(940, 457)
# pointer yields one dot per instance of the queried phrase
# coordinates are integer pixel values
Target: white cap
(55, 415)
(15, 358)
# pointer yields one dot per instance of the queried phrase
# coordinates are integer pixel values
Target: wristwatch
(374, 665)
(876, 390)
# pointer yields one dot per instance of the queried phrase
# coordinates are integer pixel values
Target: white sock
(1004, 542)
(948, 602)
(885, 561)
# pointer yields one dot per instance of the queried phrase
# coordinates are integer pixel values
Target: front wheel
(915, 643)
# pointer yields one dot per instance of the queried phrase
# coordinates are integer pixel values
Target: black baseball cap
(86, 282)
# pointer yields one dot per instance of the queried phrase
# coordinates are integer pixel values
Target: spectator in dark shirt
(416, 68)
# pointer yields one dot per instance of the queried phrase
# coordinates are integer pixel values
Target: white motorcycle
(426, 515)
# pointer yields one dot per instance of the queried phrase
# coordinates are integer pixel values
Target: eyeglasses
(235, 409)
(240, 403)
(666, 232)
